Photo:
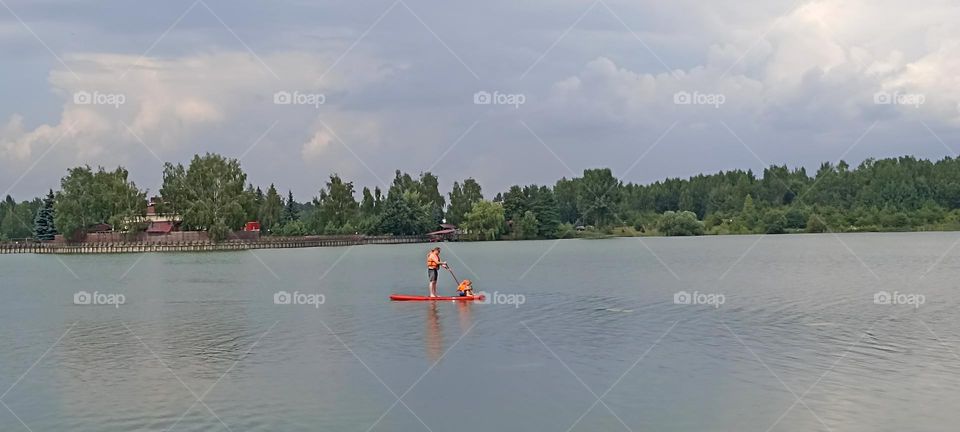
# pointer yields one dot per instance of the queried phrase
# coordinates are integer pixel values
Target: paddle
(454, 276)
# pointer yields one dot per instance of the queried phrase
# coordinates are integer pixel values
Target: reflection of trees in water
(434, 336)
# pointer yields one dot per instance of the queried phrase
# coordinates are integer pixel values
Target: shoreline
(95, 248)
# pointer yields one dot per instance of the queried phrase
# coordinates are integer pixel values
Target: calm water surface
(599, 344)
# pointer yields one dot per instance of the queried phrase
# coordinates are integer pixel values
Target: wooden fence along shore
(202, 245)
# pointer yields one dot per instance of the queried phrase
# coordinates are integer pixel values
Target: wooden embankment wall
(200, 246)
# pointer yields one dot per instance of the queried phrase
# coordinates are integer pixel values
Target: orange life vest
(465, 286)
(433, 260)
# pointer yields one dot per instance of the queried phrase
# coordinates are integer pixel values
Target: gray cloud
(798, 85)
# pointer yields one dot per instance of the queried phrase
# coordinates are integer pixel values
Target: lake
(851, 332)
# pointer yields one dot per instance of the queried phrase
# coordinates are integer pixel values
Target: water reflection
(434, 335)
(465, 315)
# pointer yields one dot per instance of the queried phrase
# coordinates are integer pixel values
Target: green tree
(271, 210)
(87, 198)
(485, 220)
(462, 199)
(526, 226)
(680, 224)
(290, 212)
(336, 204)
(597, 196)
(210, 194)
(405, 214)
(43, 225)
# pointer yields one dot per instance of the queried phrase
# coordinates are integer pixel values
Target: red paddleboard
(402, 297)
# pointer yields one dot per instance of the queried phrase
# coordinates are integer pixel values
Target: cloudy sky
(503, 91)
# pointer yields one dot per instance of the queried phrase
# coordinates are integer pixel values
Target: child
(465, 288)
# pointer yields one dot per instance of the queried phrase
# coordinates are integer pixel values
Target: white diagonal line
(742, 256)
(800, 196)
(597, 398)
(200, 400)
(460, 138)
(38, 361)
(454, 253)
(15, 415)
(264, 264)
(42, 155)
(761, 38)
(175, 376)
(572, 172)
(140, 140)
(375, 375)
(354, 44)
(940, 259)
(162, 36)
(827, 372)
(359, 159)
(264, 134)
(637, 37)
(67, 267)
(340, 258)
(454, 54)
(855, 255)
(132, 266)
(399, 398)
(767, 367)
(649, 149)
(562, 35)
(247, 47)
(552, 245)
(664, 264)
(624, 374)
(949, 149)
(937, 337)
(24, 24)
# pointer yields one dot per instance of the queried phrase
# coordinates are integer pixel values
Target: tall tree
(210, 194)
(462, 199)
(271, 209)
(290, 212)
(598, 196)
(43, 226)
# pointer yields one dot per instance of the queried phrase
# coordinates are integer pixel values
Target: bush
(293, 228)
(815, 224)
(680, 224)
(775, 222)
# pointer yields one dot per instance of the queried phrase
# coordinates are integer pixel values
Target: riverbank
(204, 246)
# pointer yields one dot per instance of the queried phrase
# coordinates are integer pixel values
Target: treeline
(212, 193)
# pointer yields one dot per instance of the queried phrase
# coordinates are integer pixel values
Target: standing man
(433, 265)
